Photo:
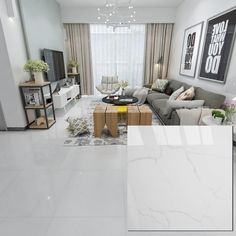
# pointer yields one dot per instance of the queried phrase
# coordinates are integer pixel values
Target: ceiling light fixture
(115, 14)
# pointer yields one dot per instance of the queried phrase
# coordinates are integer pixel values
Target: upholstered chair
(109, 85)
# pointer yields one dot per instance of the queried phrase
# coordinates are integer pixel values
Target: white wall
(189, 13)
(43, 27)
(143, 15)
(12, 59)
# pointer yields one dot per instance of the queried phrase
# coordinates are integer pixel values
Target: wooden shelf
(35, 126)
(33, 111)
(33, 84)
(38, 106)
(72, 74)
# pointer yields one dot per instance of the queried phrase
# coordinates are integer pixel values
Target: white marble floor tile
(87, 227)
(24, 227)
(95, 193)
(96, 158)
(178, 184)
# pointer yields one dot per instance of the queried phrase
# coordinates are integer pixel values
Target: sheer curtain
(119, 52)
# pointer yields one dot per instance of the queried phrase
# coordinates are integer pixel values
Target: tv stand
(65, 95)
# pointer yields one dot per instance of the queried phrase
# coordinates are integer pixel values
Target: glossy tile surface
(47, 189)
(179, 178)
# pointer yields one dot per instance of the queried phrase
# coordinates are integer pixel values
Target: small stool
(145, 115)
(133, 115)
(99, 120)
(112, 120)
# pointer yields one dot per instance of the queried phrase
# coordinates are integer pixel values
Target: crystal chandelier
(117, 14)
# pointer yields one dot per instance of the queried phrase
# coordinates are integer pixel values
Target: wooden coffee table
(110, 115)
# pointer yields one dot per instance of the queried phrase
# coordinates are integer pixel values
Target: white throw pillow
(189, 116)
(176, 94)
(141, 95)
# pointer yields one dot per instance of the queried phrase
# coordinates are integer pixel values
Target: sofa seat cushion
(160, 105)
(152, 96)
(212, 100)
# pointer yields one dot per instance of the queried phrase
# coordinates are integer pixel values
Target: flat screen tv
(55, 61)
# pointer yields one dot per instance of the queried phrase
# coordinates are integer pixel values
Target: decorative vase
(123, 92)
(74, 70)
(38, 77)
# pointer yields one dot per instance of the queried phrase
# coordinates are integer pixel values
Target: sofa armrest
(147, 86)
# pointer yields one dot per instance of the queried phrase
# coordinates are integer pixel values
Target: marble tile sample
(179, 178)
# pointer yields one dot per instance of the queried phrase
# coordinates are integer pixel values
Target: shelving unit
(37, 106)
(77, 80)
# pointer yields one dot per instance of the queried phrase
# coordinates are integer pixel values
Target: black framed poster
(219, 40)
(191, 43)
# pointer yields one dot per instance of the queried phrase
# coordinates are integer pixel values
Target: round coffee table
(120, 100)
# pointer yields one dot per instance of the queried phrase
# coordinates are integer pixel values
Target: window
(119, 52)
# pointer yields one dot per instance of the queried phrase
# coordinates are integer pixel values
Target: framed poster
(191, 43)
(219, 40)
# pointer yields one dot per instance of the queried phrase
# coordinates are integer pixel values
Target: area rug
(106, 139)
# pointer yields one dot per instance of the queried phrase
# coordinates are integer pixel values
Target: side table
(209, 120)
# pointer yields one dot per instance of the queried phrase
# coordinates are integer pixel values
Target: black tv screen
(55, 61)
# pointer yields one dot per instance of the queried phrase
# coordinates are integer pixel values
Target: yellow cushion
(122, 109)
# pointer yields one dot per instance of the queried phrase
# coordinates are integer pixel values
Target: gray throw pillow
(177, 104)
(160, 85)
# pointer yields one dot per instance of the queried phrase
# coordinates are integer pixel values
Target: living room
(84, 80)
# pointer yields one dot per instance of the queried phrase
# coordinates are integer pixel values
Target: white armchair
(109, 85)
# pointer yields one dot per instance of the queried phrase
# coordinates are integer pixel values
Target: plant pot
(218, 120)
(38, 77)
(74, 70)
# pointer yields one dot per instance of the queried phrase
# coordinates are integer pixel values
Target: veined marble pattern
(49, 189)
(179, 178)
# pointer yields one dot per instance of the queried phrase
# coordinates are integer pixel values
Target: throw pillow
(176, 93)
(141, 95)
(160, 85)
(170, 105)
(187, 95)
(189, 116)
(77, 126)
(129, 91)
(168, 91)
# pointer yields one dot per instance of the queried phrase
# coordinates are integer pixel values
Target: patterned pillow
(187, 95)
(160, 85)
(77, 126)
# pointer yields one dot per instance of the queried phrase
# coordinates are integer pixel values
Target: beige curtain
(78, 48)
(158, 43)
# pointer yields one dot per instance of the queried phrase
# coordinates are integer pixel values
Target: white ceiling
(136, 3)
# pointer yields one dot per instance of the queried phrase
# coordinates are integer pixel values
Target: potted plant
(218, 116)
(73, 64)
(36, 68)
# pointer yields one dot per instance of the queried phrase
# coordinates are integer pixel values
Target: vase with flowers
(73, 65)
(230, 110)
(36, 68)
(123, 85)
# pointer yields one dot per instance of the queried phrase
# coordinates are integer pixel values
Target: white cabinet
(65, 95)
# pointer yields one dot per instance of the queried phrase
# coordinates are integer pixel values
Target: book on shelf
(33, 97)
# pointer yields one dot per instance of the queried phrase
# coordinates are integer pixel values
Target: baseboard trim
(16, 128)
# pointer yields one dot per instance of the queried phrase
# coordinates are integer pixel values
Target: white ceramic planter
(38, 77)
(218, 120)
(74, 70)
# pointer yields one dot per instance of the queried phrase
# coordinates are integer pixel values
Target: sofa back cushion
(212, 100)
(175, 84)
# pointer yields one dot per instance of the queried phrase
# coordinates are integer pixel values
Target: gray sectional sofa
(158, 101)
